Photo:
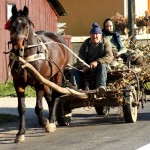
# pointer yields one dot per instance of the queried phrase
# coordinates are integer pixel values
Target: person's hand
(118, 54)
(85, 69)
(93, 64)
(114, 53)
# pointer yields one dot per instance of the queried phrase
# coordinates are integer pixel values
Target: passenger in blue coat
(118, 48)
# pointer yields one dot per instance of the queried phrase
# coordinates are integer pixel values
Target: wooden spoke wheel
(63, 115)
(130, 107)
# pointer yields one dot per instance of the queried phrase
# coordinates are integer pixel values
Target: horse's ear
(14, 10)
(25, 10)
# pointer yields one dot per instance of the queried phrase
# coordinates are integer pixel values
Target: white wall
(140, 7)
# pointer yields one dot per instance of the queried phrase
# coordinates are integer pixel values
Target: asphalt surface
(88, 131)
(9, 130)
(9, 106)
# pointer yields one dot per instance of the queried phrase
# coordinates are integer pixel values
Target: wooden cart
(123, 90)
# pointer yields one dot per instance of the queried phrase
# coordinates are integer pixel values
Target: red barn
(43, 13)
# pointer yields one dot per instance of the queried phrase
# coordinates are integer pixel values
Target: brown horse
(49, 60)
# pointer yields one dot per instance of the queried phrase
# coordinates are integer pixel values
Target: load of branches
(121, 22)
(143, 20)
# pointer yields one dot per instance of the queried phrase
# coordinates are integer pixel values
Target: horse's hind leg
(39, 109)
(48, 97)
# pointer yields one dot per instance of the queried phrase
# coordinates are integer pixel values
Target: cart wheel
(129, 108)
(63, 116)
(102, 110)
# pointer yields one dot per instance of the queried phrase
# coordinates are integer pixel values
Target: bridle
(19, 41)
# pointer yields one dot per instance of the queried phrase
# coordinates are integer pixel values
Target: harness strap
(35, 57)
(29, 58)
(42, 44)
(30, 46)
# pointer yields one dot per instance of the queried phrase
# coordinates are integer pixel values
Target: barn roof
(57, 7)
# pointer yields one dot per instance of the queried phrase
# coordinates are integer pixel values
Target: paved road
(87, 132)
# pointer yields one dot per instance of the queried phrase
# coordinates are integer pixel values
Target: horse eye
(25, 26)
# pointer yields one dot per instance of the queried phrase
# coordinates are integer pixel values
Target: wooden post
(131, 16)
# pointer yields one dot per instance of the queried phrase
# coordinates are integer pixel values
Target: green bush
(9, 90)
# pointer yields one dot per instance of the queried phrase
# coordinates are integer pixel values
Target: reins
(40, 56)
(30, 46)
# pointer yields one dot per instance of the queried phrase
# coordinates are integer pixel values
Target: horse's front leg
(20, 137)
(39, 109)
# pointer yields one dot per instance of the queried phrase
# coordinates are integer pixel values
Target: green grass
(5, 118)
(9, 90)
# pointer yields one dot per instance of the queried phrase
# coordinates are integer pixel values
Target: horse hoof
(53, 127)
(50, 127)
(19, 139)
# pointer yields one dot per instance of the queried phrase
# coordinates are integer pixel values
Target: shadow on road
(9, 130)
(94, 119)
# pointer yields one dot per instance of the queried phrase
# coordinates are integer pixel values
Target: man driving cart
(96, 51)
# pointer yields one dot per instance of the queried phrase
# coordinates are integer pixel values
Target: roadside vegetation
(9, 90)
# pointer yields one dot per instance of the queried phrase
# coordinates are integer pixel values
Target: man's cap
(96, 29)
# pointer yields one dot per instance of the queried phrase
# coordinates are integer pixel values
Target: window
(9, 7)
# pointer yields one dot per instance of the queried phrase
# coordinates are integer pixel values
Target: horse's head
(20, 26)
